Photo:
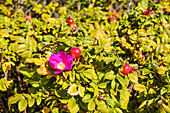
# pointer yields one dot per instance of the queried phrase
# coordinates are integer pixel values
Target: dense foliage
(84, 56)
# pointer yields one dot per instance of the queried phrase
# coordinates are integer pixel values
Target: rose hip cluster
(110, 18)
(62, 61)
(148, 13)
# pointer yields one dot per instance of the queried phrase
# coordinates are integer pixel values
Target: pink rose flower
(60, 62)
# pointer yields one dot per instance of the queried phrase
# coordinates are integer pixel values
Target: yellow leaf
(162, 70)
(139, 87)
(49, 75)
(43, 70)
(46, 110)
(142, 32)
(19, 11)
(34, 60)
(166, 108)
(72, 90)
(7, 66)
(152, 91)
(133, 77)
(81, 91)
(64, 85)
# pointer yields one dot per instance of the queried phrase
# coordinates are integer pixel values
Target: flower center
(61, 66)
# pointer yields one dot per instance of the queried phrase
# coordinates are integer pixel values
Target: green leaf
(72, 106)
(31, 102)
(110, 75)
(123, 102)
(150, 101)
(22, 105)
(110, 102)
(166, 108)
(13, 100)
(102, 85)
(101, 106)
(121, 80)
(142, 32)
(162, 110)
(27, 96)
(81, 90)
(143, 104)
(118, 62)
(145, 71)
(162, 70)
(31, 43)
(163, 91)
(124, 93)
(91, 105)
(2, 85)
(86, 98)
(110, 59)
(19, 39)
(118, 110)
(90, 74)
(21, 48)
(133, 77)
(139, 87)
(25, 70)
(26, 54)
(38, 99)
(96, 91)
(72, 90)
(55, 110)
(113, 84)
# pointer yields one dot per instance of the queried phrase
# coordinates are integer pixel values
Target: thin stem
(31, 7)
(71, 3)
(130, 3)
(44, 3)
(121, 5)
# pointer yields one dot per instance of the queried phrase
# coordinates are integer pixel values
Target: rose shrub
(39, 74)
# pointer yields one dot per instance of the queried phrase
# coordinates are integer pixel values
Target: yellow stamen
(61, 66)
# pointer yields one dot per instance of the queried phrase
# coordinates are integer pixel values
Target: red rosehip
(163, 9)
(150, 13)
(75, 52)
(145, 12)
(124, 35)
(111, 18)
(28, 19)
(70, 20)
(126, 69)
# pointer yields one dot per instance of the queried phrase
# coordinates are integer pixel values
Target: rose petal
(69, 64)
(53, 64)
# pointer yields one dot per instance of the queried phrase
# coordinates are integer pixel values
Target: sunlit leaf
(22, 105)
(73, 90)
